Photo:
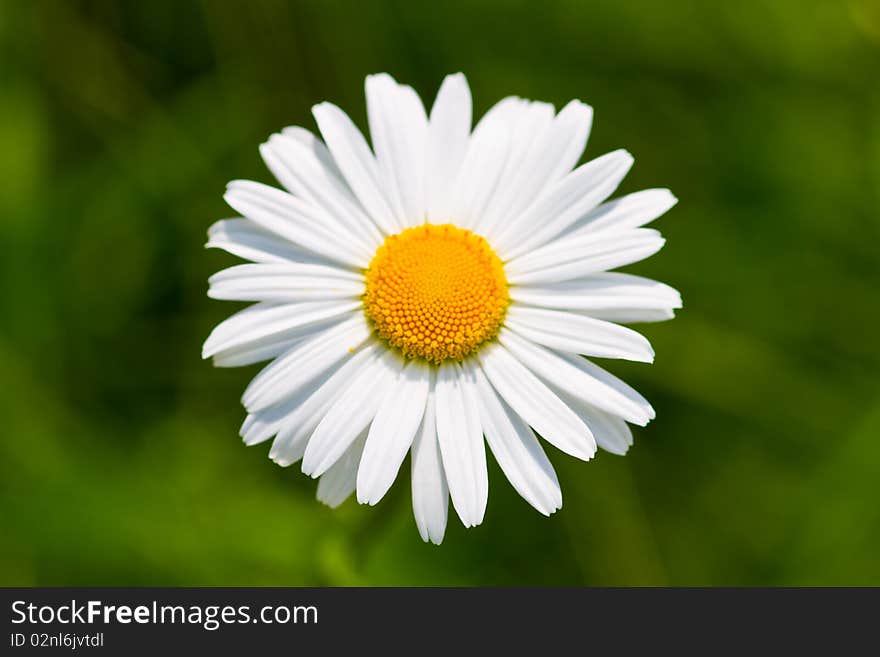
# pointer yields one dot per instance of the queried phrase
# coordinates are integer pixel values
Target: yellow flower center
(436, 292)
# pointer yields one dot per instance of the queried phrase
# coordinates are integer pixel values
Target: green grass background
(121, 122)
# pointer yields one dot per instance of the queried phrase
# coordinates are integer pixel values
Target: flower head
(436, 294)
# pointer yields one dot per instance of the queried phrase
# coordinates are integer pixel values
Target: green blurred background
(121, 122)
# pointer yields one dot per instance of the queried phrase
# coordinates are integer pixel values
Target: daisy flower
(435, 294)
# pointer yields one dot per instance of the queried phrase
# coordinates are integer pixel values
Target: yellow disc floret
(436, 292)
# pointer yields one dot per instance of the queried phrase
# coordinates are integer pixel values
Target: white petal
(430, 494)
(338, 483)
(392, 431)
(313, 401)
(535, 403)
(399, 129)
(627, 212)
(288, 282)
(580, 256)
(633, 315)
(245, 239)
(296, 220)
(262, 425)
(265, 349)
(527, 123)
(554, 147)
(517, 450)
(578, 334)
(448, 133)
(333, 221)
(302, 163)
(305, 362)
(580, 378)
(562, 204)
(350, 414)
(265, 323)
(355, 161)
(461, 443)
(611, 432)
(599, 292)
(483, 164)
(292, 412)
(567, 138)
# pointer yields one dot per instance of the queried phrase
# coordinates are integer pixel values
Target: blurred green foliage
(121, 122)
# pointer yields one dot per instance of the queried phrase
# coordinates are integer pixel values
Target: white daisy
(440, 288)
